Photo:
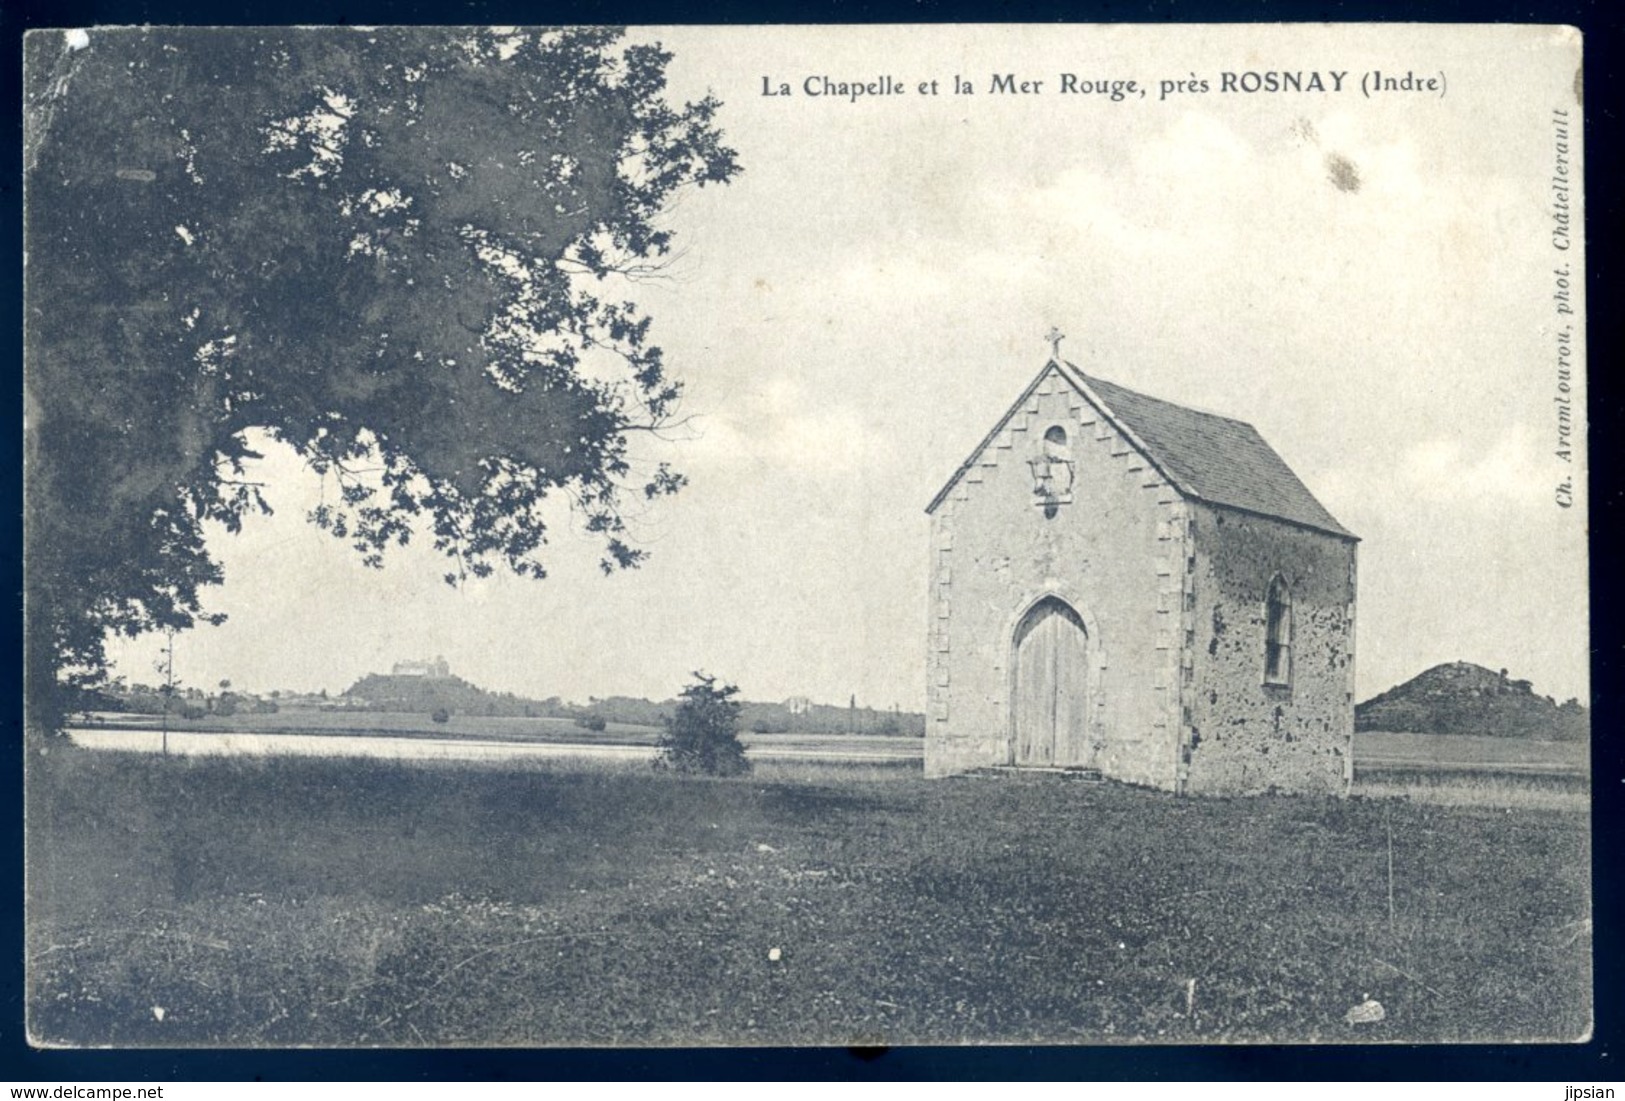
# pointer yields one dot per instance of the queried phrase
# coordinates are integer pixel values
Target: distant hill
(386, 692)
(1463, 698)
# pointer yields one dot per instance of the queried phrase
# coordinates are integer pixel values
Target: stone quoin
(1123, 584)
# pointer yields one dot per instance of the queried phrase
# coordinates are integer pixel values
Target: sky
(1367, 280)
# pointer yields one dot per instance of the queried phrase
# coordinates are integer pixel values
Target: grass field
(1462, 770)
(1465, 750)
(331, 902)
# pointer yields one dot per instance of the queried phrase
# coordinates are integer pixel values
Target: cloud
(1512, 470)
(781, 424)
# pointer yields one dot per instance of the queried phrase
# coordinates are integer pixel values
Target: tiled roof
(1206, 456)
(1214, 458)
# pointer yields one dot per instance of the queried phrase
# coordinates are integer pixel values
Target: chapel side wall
(1244, 735)
(1116, 553)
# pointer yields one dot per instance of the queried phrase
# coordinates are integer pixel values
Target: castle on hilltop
(438, 668)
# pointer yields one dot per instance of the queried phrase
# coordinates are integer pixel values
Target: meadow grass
(1396, 747)
(232, 901)
(1477, 789)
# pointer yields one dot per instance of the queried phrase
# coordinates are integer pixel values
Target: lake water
(833, 749)
(236, 743)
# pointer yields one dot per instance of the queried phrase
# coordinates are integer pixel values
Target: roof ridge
(1177, 467)
(1165, 401)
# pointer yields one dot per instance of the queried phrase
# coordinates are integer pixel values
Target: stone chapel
(1124, 585)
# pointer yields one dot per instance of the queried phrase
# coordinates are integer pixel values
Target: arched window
(1278, 633)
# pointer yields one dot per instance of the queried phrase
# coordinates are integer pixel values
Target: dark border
(1598, 1060)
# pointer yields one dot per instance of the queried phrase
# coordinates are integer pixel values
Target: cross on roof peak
(1055, 336)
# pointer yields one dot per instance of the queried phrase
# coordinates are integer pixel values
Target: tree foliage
(702, 735)
(402, 252)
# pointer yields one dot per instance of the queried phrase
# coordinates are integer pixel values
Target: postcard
(806, 535)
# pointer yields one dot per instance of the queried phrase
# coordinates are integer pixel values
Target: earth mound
(1462, 698)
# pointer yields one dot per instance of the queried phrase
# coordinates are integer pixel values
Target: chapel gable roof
(1207, 457)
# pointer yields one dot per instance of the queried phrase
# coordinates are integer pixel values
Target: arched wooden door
(1050, 706)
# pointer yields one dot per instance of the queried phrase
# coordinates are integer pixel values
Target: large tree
(401, 251)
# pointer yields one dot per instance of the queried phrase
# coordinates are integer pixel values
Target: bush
(703, 735)
(441, 715)
(143, 703)
(595, 723)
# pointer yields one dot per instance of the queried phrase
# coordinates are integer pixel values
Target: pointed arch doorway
(1050, 692)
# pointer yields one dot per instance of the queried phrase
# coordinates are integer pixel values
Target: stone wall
(1116, 552)
(1243, 735)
